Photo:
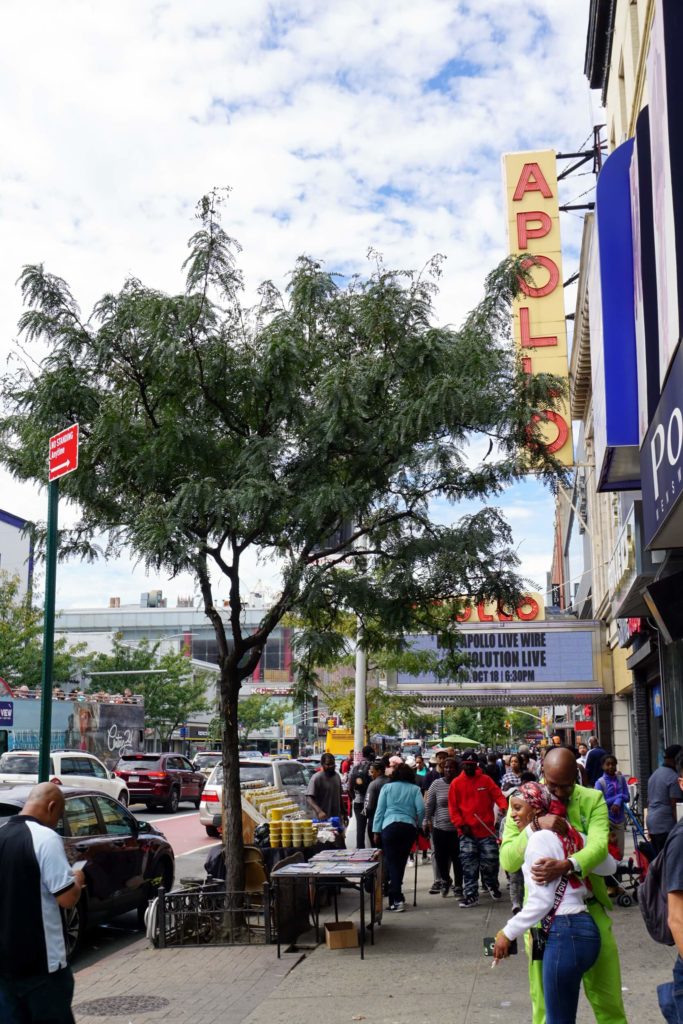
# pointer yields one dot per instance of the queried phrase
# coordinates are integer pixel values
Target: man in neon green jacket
(587, 812)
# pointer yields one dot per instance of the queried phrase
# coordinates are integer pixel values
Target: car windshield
(19, 764)
(248, 773)
(207, 760)
(137, 763)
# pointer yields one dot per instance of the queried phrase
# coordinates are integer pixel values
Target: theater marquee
(546, 658)
(539, 319)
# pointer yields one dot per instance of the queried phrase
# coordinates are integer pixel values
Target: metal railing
(204, 914)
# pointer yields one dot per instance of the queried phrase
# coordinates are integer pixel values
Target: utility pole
(62, 458)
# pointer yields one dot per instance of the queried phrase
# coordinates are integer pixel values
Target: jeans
(447, 852)
(572, 947)
(361, 826)
(397, 839)
(479, 855)
(670, 996)
(45, 999)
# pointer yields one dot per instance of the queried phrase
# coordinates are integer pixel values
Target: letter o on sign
(549, 286)
(532, 605)
(562, 429)
(673, 459)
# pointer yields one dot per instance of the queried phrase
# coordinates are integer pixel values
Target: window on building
(274, 655)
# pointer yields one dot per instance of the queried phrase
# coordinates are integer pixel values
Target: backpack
(652, 900)
(360, 771)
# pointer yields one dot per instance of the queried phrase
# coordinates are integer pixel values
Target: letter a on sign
(63, 453)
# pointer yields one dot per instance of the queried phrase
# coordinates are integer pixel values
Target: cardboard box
(341, 935)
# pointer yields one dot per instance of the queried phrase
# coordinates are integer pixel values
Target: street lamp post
(443, 731)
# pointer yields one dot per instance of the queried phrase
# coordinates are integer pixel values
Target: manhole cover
(119, 1006)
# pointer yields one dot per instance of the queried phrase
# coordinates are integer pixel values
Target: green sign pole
(48, 631)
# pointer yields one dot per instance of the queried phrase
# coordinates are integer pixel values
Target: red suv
(160, 780)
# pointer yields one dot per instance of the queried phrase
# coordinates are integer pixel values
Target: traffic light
(544, 721)
(507, 724)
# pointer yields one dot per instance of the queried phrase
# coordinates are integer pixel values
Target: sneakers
(457, 892)
(435, 889)
(495, 894)
(397, 908)
(469, 901)
(445, 889)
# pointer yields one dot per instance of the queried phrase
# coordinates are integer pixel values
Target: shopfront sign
(613, 347)
(6, 713)
(509, 657)
(665, 90)
(661, 458)
(538, 313)
(530, 609)
(644, 276)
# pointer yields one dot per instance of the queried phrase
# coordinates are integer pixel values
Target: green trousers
(602, 984)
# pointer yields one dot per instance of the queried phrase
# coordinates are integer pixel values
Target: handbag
(539, 934)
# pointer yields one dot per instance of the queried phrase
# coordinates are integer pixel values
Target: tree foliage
(211, 428)
(387, 713)
(256, 712)
(170, 697)
(21, 641)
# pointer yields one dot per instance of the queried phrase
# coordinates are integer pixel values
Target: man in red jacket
(471, 800)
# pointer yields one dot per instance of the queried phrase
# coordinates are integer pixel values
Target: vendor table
(333, 873)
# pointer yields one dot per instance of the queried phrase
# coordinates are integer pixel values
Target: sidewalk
(427, 965)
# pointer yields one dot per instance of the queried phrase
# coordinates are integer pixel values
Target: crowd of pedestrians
(557, 830)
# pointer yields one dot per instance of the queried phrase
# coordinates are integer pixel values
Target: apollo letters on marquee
(538, 313)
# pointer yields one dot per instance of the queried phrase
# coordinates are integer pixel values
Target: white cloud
(117, 118)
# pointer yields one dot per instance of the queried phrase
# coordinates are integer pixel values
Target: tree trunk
(233, 844)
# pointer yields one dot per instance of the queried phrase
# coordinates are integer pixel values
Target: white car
(67, 767)
(289, 776)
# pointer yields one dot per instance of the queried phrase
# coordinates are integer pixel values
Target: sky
(337, 128)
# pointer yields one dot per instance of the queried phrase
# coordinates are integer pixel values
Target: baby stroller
(632, 870)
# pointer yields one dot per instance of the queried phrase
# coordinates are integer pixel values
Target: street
(190, 844)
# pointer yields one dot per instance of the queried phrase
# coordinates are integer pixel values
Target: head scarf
(543, 802)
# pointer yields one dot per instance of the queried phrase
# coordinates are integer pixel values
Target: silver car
(287, 775)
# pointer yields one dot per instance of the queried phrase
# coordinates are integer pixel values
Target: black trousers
(447, 853)
(397, 839)
(45, 999)
(361, 826)
(658, 840)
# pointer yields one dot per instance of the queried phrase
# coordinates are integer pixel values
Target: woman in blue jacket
(399, 813)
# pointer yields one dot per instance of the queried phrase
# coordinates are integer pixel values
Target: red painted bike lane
(184, 833)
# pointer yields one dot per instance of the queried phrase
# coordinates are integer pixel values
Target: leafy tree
(211, 429)
(170, 698)
(21, 641)
(386, 712)
(257, 712)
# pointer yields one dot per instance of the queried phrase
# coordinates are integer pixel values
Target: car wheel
(75, 924)
(212, 832)
(123, 798)
(171, 804)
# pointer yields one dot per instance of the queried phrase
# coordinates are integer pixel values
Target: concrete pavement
(427, 965)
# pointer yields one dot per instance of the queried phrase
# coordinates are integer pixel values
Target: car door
(76, 771)
(99, 776)
(176, 769)
(85, 839)
(193, 780)
(127, 857)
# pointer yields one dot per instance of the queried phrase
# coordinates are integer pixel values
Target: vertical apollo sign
(540, 330)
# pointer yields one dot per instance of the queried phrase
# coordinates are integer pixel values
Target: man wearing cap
(471, 801)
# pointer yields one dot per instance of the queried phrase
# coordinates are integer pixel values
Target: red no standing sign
(63, 454)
